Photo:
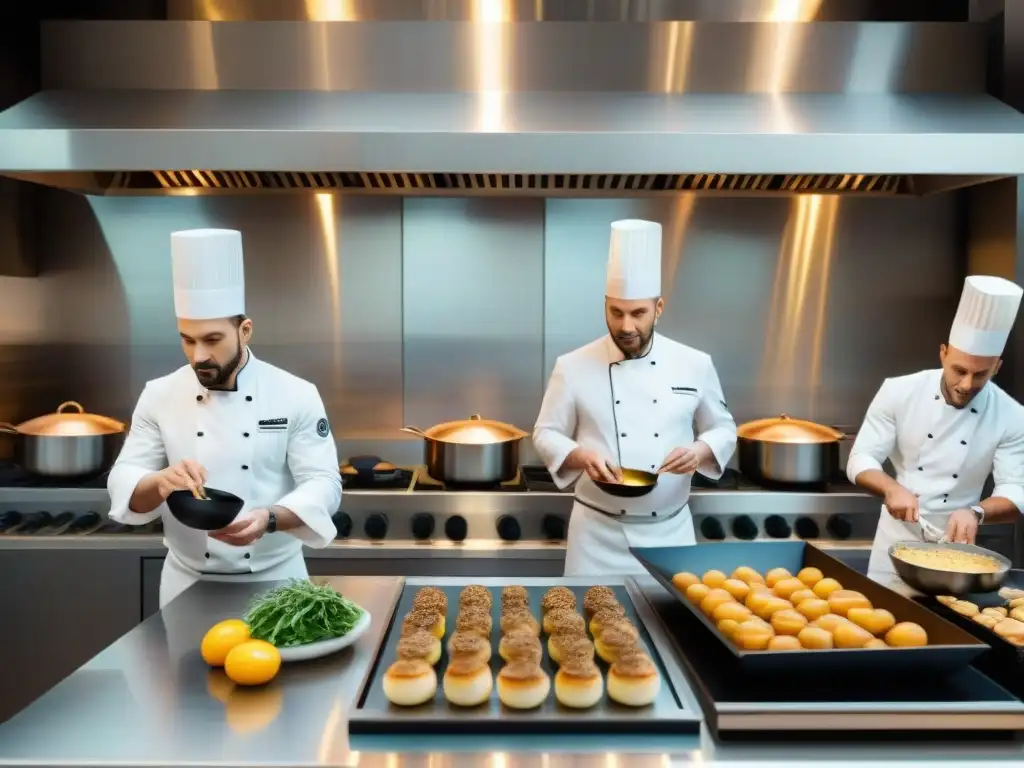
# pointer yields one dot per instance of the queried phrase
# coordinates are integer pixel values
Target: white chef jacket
(268, 442)
(940, 453)
(634, 412)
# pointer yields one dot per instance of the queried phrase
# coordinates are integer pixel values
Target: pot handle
(415, 431)
(70, 404)
(7, 428)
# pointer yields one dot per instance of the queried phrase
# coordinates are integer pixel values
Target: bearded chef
(945, 431)
(233, 422)
(634, 399)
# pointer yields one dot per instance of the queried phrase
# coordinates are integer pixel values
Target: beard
(214, 376)
(634, 344)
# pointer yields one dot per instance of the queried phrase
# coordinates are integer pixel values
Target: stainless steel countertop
(150, 700)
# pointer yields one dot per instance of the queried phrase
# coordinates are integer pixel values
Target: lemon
(253, 662)
(221, 638)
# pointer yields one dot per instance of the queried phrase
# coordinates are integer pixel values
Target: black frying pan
(216, 511)
(635, 482)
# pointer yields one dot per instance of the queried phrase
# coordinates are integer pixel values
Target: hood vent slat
(584, 184)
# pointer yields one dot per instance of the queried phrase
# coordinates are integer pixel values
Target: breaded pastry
(561, 647)
(423, 620)
(515, 598)
(558, 597)
(469, 645)
(604, 617)
(476, 620)
(633, 680)
(419, 645)
(519, 621)
(578, 683)
(431, 598)
(523, 685)
(612, 644)
(520, 646)
(566, 623)
(475, 595)
(597, 598)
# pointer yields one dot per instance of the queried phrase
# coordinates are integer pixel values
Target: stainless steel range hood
(139, 142)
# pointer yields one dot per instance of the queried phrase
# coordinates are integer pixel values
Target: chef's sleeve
(555, 427)
(877, 435)
(1008, 462)
(142, 454)
(715, 424)
(313, 462)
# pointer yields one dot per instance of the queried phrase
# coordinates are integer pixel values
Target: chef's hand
(594, 464)
(187, 475)
(685, 460)
(244, 529)
(962, 527)
(902, 504)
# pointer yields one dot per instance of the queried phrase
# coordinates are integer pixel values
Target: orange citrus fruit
(221, 638)
(254, 662)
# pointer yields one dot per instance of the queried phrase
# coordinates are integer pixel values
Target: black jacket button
(245, 466)
(623, 434)
(920, 469)
(248, 398)
(247, 555)
(199, 434)
(653, 363)
(618, 402)
(245, 434)
(655, 434)
(207, 555)
(974, 410)
(199, 398)
(955, 476)
(929, 435)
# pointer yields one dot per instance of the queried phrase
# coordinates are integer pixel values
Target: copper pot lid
(784, 429)
(69, 420)
(472, 431)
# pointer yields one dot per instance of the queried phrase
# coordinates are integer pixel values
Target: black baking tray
(1004, 661)
(950, 647)
(375, 714)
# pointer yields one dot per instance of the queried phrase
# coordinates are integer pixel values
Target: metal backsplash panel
(473, 296)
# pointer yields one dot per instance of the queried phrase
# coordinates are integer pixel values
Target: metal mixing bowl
(934, 582)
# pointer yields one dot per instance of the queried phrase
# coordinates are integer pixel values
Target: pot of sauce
(785, 450)
(471, 451)
(67, 443)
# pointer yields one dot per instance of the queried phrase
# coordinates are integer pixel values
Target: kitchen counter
(150, 700)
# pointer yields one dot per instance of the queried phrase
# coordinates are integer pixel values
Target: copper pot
(788, 451)
(473, 450)
(67, 443)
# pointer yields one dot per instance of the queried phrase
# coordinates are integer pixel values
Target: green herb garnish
(300, 612)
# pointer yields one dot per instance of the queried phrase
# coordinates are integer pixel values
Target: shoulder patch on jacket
(323, 428)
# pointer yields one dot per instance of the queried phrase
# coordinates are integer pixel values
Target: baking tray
(952, 647)
(869, 708)
(375, 714)
(1004, 661)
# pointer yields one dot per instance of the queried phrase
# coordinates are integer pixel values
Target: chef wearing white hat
(233, 422)
(945, 431)
(632, 399)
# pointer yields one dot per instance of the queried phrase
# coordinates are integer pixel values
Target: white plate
(326, 647)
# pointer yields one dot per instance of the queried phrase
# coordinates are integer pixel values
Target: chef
(633, 399)
(944, 431)
(233, 422)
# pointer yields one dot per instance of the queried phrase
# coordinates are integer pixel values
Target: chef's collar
(977, 405)
(243, 381)
(615, 354)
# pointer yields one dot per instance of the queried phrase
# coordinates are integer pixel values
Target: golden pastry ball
(696, 593)
(713, 599)
(802, 594)
(814, 608)
(738, 589)
(810, 575)
(849, 635)
(842, 601)
(826, 587)
(753, 636)
(731, 610)
(758, 598)
(875, 642)
(775, 575)
(788, 622)
(829, 622)
(815, 638)
(877, 621)
(747, 574)
(785, 588)
(728, 627)
(714, 579)
(773, 605)
(784, 643)
(683, 580)
(906, 634)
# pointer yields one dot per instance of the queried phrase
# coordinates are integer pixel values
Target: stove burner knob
(84, 522)
(839, 527)
(711, 529)
(35, 521)
(456, 528)
(9, 519)
(422, 526)
(553, 527)
(508, 528)
(376, 526)
(343, 522)
(777, 527)
(806, 528)
(744, 528)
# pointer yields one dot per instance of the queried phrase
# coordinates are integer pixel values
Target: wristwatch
(979, 510)
(271, 521)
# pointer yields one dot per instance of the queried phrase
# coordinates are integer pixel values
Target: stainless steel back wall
(660, 57)
(461, 305)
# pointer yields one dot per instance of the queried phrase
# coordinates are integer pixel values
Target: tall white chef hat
(634, 260)
(988, 307)
(209, 277)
